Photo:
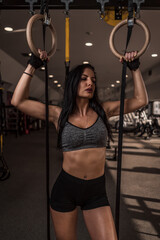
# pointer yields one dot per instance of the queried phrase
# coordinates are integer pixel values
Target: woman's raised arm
(20, 97)
(140, 98)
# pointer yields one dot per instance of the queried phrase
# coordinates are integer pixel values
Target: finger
(135, 53)
(45, 55)
(39, 50)
(41, 57)
(121, 59)
(127, 56)
(132, 56)
(40, 54)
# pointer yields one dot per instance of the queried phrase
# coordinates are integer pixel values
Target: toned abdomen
(85, 163)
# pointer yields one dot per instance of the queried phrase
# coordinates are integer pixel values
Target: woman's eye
(84, 79)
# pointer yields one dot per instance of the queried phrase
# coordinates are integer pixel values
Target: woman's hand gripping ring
(115, 29)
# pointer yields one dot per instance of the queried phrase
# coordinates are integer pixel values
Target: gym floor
(23, 195)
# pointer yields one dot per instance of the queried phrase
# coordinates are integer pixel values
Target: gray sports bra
(75, 138)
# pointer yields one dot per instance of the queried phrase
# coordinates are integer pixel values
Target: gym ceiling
(78, 4)
(85, 25)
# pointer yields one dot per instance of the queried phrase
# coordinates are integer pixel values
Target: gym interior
(23, 169)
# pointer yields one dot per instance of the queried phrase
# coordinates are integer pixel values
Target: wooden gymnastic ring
(29, 35)
(119, 25)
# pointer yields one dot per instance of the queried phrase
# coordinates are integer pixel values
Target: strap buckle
(47, 19)
(130, 22)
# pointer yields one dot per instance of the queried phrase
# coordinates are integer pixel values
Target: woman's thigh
(100, 223)
(65, 224)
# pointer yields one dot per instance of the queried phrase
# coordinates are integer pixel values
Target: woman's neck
(82, 107)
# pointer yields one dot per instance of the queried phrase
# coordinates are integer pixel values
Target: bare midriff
(85, 163)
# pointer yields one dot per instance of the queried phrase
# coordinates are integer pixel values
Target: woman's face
(86, 85)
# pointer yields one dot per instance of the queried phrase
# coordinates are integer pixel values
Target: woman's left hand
(132, 62)
(129, 56)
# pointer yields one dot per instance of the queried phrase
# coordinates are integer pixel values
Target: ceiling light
(117, 81)
(88, 44)
(55, 81)
(58, 85)
(85, 62)
(30, 54)
(126, 76)
(8, 29)
(112, 85)
(50, 76)
(42, 68)
(154, 55)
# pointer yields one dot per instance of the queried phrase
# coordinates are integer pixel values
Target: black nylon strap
(67, 67)
(120, 139)
(47, 151)
(130, 9)
(129, 32)
(44, 9)
(130, 22)
(4, 170)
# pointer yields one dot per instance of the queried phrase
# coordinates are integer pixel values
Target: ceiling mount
(78, 4)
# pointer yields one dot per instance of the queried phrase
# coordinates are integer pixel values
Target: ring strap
(120, 138)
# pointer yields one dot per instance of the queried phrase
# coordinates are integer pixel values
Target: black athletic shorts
(69, 192)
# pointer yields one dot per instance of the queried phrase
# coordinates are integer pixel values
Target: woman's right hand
(43, 55)
(37, 62)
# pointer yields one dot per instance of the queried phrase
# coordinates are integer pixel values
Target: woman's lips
(89, 90)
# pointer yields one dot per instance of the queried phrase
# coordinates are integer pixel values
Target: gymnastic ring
(29, 35)
(119, 25)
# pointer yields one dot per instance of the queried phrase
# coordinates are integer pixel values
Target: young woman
(82, 126)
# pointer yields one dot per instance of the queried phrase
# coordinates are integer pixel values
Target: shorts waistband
(80, 180)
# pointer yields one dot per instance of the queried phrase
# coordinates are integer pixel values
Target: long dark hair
(69, 100)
